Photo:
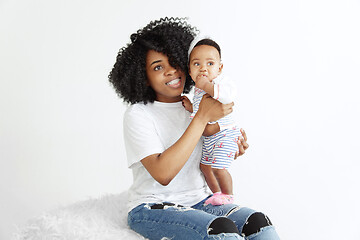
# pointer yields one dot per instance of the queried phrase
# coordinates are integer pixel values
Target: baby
(220, 141)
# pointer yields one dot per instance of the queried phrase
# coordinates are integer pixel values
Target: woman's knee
(222, 225)
(255, 223)
(248, 220)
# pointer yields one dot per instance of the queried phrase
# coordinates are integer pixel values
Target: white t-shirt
(150, 129)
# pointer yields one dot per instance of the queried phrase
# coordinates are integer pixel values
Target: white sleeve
(140, 136)
(225, 90)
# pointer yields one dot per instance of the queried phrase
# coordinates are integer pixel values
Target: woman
(166, 199)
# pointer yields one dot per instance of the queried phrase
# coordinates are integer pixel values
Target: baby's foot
(211, 199)
(220, 199)
(223, 199)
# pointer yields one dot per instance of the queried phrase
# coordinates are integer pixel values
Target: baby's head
(205, 60)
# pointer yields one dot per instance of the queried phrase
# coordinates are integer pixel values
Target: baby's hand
(186, 103)
(201, 82)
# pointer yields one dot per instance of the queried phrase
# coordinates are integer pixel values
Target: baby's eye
(157, 68)
(196, 64)
(210, 63)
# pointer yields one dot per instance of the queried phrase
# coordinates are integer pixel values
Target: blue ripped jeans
(176, 222)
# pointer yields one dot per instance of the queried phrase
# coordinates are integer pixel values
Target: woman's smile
(175, 83)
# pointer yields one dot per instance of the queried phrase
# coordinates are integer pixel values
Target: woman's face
(167, 82)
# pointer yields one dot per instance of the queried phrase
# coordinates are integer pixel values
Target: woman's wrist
(201, 118)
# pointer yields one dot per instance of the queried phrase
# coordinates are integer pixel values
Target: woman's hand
(211, 110)
(242, 143)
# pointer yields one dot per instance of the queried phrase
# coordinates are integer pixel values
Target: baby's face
(205, 63)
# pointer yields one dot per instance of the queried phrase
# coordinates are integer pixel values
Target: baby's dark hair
(209, 42)
(170, 36)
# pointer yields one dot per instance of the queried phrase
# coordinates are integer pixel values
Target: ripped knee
(222, 225)
(255, 223)
(165, 205)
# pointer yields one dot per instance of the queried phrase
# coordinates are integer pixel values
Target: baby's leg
(205, 167)
(223, 155)
(210, 178)
(224, 180)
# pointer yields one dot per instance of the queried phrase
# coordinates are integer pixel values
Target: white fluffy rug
(101, 219)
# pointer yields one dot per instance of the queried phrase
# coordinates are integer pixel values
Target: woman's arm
(163, 167)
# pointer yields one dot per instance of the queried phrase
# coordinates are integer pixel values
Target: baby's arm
(204, 84)
(222, 89)
(187, 104)
(225, 90)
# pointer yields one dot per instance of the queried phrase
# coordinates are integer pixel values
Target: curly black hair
(170, 36)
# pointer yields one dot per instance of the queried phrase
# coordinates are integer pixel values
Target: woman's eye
(157, 68)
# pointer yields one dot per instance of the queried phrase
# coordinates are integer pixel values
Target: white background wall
(297, 66)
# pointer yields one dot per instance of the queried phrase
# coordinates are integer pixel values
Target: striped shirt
(224, 92)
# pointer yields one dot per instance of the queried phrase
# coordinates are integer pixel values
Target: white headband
(196, 40)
